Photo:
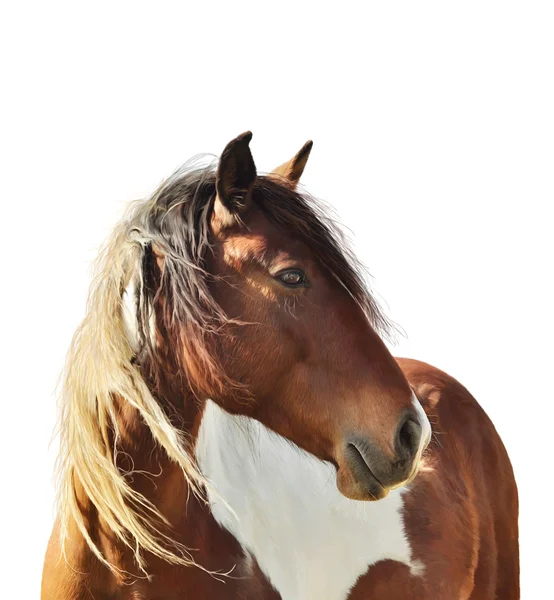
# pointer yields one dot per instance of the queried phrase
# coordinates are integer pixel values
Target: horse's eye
(292, 277)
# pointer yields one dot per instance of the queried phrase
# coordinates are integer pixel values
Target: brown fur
(461, 512)
(305, 361)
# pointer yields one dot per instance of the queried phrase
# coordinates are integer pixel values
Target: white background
(434, 140)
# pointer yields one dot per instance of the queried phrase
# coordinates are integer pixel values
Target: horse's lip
(363, 473)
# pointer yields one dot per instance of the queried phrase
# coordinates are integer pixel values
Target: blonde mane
(99, 369)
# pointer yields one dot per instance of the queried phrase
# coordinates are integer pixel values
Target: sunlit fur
(103, 369)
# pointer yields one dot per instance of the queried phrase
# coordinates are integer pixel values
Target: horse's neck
(162, 483)
(147, 466)
(282, 504)
(192, 524)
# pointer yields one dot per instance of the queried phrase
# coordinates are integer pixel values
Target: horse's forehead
(264, 244)
(245, 248)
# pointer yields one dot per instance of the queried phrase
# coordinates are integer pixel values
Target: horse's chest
(284, 508)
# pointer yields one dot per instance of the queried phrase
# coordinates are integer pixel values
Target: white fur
(283, 506)
(129, 315)
(425, 429)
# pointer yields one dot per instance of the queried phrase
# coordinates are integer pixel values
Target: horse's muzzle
(378, 472)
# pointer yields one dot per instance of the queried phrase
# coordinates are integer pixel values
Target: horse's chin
(366, 489)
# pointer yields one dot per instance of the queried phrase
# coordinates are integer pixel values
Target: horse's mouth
(363, 474)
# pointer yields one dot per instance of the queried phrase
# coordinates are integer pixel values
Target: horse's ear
(235, 178)
(292, 170)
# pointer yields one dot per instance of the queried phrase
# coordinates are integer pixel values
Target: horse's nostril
(408, 438)
(378, 470)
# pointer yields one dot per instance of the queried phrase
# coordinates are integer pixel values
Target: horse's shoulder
(463, 435)
(437, 391)
(464, 438)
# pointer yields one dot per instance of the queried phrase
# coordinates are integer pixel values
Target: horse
(233, 425)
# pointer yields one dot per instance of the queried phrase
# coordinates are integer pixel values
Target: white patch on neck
(282, 505)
